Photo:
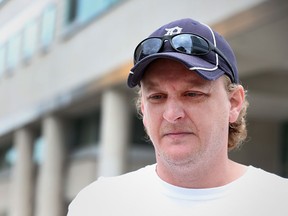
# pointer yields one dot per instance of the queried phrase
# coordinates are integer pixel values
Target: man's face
(186, 116)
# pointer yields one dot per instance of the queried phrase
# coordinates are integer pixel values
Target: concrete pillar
(22, 177)
(114, 133)
(50, 194)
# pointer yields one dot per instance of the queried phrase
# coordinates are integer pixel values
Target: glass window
(7, 156)
(2, 60)
(85, 130)
(81, 11)
(29, 39)
(72, 10)
(2, 2)
(13, 51)
(11, 156)
(38, 150)
(48, 26)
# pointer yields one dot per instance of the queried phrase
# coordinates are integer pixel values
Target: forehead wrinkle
(149, 85)
(186, 83)
(162, 71)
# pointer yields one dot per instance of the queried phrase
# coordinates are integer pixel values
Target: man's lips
(177, 133)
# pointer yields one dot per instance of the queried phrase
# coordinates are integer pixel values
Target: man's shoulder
(116, 184)
(117, 190)
(266, 176)
(263, 180)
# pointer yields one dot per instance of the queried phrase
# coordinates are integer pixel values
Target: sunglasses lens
(184, 43)
(190, 44)
(146, 48)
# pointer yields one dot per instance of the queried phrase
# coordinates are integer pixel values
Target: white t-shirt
(142, 192)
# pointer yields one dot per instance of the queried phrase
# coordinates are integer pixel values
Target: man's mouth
(177, 133)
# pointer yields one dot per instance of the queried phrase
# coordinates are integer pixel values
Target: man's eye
(194, 94)
(156, 97)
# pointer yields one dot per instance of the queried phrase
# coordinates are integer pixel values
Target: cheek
(146, 118)
(214, 116)
(151, 120)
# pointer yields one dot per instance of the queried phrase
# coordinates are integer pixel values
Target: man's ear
(237, 98)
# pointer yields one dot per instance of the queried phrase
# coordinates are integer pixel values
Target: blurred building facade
(66, 115)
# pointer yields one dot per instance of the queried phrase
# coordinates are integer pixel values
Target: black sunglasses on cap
(187, 43)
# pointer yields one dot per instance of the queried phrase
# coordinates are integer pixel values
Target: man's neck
(201, 176)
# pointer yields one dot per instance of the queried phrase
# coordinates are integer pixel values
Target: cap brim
(189, 61)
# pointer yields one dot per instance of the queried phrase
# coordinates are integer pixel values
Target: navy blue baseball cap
(212, 65)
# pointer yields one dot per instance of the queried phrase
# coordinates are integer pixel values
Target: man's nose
(173, 111)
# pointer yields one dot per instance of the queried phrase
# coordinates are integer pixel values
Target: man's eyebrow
(193, 82)
(150, 84)
(196, 82)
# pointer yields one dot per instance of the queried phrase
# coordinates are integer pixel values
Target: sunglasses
(186, 43)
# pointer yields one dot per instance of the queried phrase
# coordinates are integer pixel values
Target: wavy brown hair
(237, 129)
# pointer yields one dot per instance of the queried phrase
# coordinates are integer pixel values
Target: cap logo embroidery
(172, 31)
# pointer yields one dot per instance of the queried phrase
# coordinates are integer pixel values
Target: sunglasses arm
(216, 50)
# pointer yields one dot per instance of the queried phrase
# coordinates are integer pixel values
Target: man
(193, 110)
